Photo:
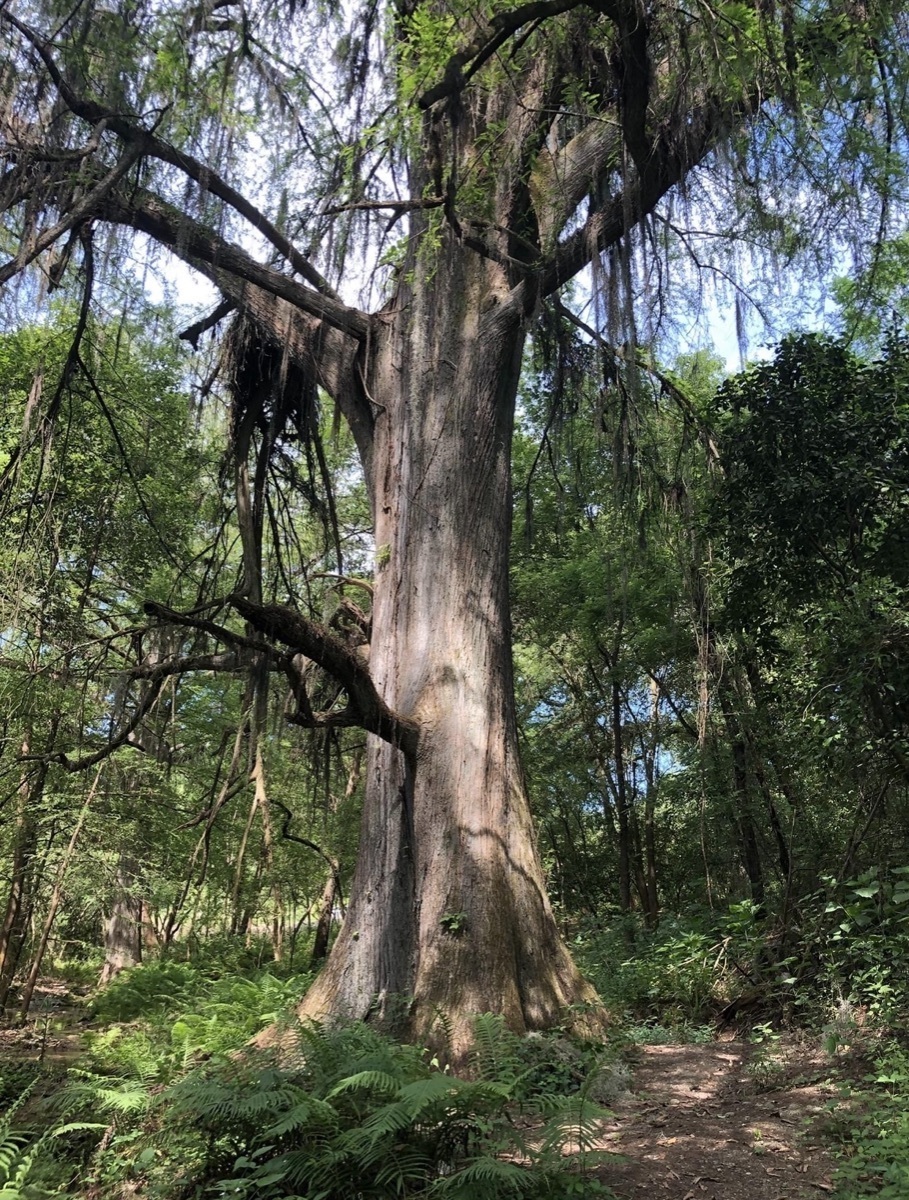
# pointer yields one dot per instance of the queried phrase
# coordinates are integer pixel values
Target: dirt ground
(698, 1125)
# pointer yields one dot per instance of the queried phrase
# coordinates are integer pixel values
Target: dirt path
(696, 1126)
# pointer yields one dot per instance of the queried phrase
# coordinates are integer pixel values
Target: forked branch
(367, 708)
(279, 623)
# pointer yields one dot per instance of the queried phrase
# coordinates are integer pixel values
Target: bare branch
(83, 210)
(398, 206)
(193, 662)
(144, 706)
(195, 331)
(367, 708)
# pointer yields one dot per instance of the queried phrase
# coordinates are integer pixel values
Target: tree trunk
(28, 988)
(751, 856)
(621, 791)
(123, 926)
(323, 924)
(448, 904)
(25, 841)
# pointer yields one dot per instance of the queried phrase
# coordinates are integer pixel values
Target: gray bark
(448, 903)
(123, 924)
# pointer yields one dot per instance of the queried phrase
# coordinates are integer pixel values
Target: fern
(573, 1121)
(370, 1081)
(496, 1053)
(21, 1151)
(359, 1115)
(486, 1178)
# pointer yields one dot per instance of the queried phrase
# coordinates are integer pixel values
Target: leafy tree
(508, 151)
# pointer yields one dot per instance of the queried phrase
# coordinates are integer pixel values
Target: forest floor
(713, 1122)
(724, 1120)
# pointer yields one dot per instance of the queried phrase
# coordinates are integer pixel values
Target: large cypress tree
(487, 155)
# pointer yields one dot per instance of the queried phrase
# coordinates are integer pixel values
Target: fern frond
(308, 1113)
(77, 1127)
(489, 1045)
(486, 1178)
(424, 1092)
(574, 1120)
(407, 1172)
(370, 1081)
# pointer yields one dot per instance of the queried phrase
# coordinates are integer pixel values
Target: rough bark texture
(448, 904)
(123, 925)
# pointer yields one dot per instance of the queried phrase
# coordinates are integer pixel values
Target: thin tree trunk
(29, 988)
(751, 857)
(621, 787)
(324, 921)
(649, 752)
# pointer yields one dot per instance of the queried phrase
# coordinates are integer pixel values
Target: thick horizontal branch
(147, 143)
(672, 158)
(221, 633)
(367, 708)
(193, 332)
(225, 263)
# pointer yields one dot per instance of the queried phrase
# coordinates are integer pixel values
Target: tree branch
(83, 210)
(147, 143)
(193, 332)
(458, 73)
(367, 708)
(669, 161)
(224, 262)
(142, 709)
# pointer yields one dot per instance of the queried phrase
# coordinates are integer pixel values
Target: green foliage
(875, 301)
(864, 946)
(178, 1011)
(349, 1112)
(765, 1065)
(25, 1155)
(874, 1139)
(670, 978)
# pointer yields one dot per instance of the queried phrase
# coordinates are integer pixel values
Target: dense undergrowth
(161, 1105)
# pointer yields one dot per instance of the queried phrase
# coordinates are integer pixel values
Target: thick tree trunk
(448, 906)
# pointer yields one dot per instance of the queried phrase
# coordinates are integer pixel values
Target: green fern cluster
(160, 989)
(360, 1116)
(24, 1155)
